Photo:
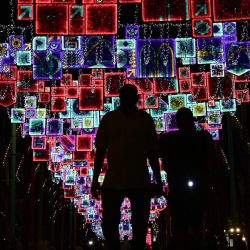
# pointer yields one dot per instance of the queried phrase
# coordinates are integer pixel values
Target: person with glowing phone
(187, 156)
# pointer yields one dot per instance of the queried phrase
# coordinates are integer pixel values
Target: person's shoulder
(143, 114)
(108, 117)
(110, 114)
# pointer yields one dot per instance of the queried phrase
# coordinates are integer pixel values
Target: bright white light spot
(243, 238)
(91, 242)
(231, 230)
(190, 183)
(237, 230)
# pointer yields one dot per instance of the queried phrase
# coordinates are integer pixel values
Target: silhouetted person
(128, 136)
(186, 159)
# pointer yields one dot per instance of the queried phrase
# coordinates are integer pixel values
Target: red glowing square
(199, 93)
(63, 1)
(58, 104)
(242, 95)
(44, 97)
(113, 82)
(154, 10)
(97, 73)
(81, 155)
(200, 8)
(25, 12)
(24, 75)
(52, 19)
(72, 92)
(202, 27)
(66, 80)
(83, 171)
(243, 78)
(227, 10)
(107, 1)
(213, 87)
(41, 86)
(77, 21)
(25, 1)
(185, 86)
(7, 93)
(98, 1)
(144, 85)
(97, 83)
(180, 13)
(69, 193)
(77, 27)
(129, 1)
(166, 86)
(220, 87)
(84, 143)
(41, 155)
(85, 80)
(25, 82)
(91, 164)
(165, 10)
(199, 79)
(57, 91)
(101, 19)
(42, 1)
(91, 98)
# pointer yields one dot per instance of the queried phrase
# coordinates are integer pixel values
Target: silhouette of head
(128, 96)
(185, 119)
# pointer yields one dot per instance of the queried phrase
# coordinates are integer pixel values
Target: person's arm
(98, 164)
(154, 163)
(156, 190)
(101, 148)
(162, 149)
(153, 156)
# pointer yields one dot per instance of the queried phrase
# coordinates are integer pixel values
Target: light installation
(60, 81)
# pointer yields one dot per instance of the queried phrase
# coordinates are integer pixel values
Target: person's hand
(95, 190)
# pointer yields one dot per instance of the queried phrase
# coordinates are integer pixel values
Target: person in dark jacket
(186, 157)
(129, 138)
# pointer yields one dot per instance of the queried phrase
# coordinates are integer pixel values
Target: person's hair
(184, 118)
(128, 95)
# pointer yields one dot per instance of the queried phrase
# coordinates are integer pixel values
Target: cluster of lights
(235, 231)
(62, 112)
